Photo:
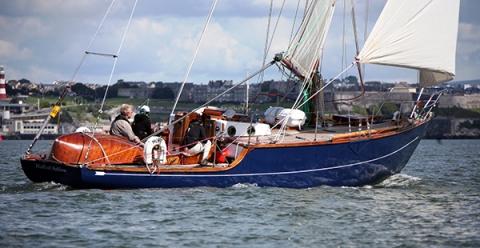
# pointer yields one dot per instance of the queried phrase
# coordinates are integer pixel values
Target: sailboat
(281, 150)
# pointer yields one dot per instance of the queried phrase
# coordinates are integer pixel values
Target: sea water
(434, 202)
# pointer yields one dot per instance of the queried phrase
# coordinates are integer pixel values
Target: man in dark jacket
(195, 139)
(142, 126)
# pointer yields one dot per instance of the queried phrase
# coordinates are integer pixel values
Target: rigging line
(229, 89)
(305, 31)
(306, 83)
(282, 129)
(314, 64)
(115, 59)
(94, 37)
(126, 28)
(308, 80)
(365, 31)
(354, 24)
(289, 80)
(187, 74)
(367, 5)
(440, 93)
(319, 50)
(100, 25)
(275, 27)
(359, 68)
(271, 128)
(327, 84)
(272, 37)
(267, 36)
(65, 91)
(133, 147)
(344, 55)
(305, 9)
(418, 99)
(384, 97)
(240, 174)
(319, 66)
(218, 96)
(293, 25)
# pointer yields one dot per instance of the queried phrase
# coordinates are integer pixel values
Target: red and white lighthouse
(3, 92)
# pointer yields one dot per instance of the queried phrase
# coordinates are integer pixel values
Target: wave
(399, 180)
(32, 187)
(244, 185)
(51, 186)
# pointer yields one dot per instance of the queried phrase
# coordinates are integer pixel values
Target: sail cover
(306, 48)
(420, 34)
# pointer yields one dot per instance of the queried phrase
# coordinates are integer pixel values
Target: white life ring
(155, 149)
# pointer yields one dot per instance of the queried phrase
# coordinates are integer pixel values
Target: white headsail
(306, 47)
(420, 34)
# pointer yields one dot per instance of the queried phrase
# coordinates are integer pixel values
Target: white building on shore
(26, 124)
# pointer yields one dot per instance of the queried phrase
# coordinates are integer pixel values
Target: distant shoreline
(461, 137)
(30, 137)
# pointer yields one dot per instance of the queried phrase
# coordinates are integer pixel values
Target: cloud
(468, 51)
(171, 48)
(23, 28)
(10, 51)
(53, 8)
(469, 32)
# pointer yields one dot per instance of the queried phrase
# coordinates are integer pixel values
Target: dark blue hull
(357, 163)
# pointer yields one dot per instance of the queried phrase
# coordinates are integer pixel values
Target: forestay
(306, 47)
(420, 34)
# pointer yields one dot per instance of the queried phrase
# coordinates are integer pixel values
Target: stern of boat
(39, 169)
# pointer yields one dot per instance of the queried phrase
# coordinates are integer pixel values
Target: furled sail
(420, 34)
(306, 48)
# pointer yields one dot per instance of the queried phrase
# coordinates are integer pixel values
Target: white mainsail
(420, 34)
(306, 47)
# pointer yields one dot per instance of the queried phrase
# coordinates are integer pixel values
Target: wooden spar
(291, 68)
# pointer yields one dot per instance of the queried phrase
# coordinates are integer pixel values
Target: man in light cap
(121, 125)
(142, 126)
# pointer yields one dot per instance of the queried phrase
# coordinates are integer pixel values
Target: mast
(172, 115)
(304, 54)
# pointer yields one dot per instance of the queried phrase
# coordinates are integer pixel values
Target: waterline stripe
(266, 173)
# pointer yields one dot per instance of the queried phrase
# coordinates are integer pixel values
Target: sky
(44, 40)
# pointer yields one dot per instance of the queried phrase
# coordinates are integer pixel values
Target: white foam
(400, 180)
(244, 185)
